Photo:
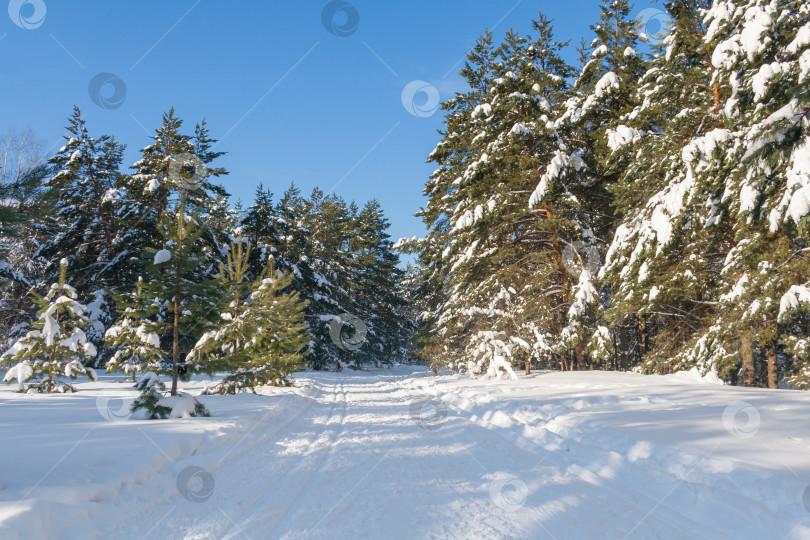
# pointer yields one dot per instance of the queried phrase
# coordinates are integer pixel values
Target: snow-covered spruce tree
(154, 405)
(262, 338)
(58, 345)
(328, 255)
(179, 283)
(84, 186)
(284, 232)
(375, 289)
(134, 338)
(86, 224)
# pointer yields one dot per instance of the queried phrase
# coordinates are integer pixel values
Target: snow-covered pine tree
(175, 162)
(57, 346)
(178, 281)
(761, 56)
(24, 202)
(134, 338)
(500, 268)
(576, 179)
(719, 243)
(262, 337)
(452, 155)
(661, 271)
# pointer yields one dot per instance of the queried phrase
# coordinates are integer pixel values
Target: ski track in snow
(347, 455)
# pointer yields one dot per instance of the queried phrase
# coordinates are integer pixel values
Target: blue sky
(290, 100)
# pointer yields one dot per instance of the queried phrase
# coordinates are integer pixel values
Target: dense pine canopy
(645, 210)
(649, 214)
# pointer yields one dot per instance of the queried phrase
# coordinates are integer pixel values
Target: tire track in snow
(287, 482)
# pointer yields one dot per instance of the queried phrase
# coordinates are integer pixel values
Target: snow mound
(693, 375)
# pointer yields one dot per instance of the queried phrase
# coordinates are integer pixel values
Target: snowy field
(401, 454)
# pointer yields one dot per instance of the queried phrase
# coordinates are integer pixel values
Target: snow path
(402, 454)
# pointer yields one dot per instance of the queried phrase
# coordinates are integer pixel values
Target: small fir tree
(134, 338)
(58, 345)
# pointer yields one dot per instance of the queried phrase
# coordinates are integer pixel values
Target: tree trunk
(773, 368)
(642, 335)
(579, 358)
(747, 354)
(176, 340)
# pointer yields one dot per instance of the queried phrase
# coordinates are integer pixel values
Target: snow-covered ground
(401, 454)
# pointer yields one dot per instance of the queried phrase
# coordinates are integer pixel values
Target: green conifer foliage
(57, 345)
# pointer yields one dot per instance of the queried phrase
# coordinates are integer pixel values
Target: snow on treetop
(63, 262)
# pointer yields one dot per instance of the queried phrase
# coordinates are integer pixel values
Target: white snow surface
(162, 256)
(400, 453)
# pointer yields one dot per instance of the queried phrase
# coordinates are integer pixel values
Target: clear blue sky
(289, 99)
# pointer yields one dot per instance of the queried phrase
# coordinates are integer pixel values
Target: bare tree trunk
(747, 354)
(176, 340)
(642, 332)
(773, 368)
